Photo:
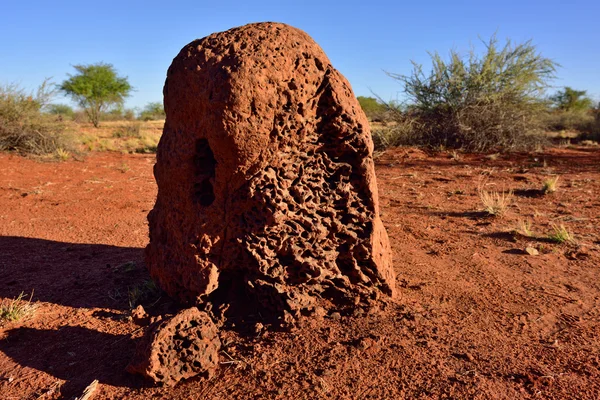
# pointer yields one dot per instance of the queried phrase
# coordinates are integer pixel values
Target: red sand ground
(476, 317)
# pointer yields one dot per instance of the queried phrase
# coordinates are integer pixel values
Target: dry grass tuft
(524, 228)
(495, 203)
(550, 185)
(62, 154)
(455, 155)
(17, 309)
(561, 234)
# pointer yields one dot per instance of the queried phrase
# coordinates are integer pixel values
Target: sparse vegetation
(131, 129)
(118, 113)
(153, 112)
(403, 131)
(495, 203)
(570, 121)
(561, 234)
(550, 185)
(123, 136)
(17, 309)
(24, 127)
(572, 111)
(477, 103)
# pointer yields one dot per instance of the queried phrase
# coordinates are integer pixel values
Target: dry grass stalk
(524, 228)
(88, 392)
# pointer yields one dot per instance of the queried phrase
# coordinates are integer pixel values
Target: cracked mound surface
(265, 177)
(180, 347)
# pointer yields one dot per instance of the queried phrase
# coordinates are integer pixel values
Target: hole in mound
(204, 169)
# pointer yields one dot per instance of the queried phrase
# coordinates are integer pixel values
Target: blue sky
(363, 39)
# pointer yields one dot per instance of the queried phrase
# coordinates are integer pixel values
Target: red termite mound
(265, 177)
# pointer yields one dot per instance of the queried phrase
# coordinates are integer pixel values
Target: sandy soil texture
(476, 316)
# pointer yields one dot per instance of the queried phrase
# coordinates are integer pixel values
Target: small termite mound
(176, 348)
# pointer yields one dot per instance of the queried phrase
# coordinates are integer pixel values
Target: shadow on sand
(75, 354)
(74, 275)
(77, 276)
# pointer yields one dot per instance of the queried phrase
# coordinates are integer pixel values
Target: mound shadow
(69, 274)
(532, 193)
(75, 354)
(474, 215)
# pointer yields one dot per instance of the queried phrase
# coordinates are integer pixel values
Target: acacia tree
(96, 87)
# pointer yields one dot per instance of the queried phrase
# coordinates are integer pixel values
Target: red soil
(475, 316)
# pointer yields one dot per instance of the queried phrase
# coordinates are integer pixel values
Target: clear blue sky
(41, 39)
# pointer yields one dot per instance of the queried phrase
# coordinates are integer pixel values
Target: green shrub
(571, 111)
(374, 109)
(129, 130)
(578, 121)
(478, 103)
(153, 112)
(62, 110)
(117, 114)
(23, 126)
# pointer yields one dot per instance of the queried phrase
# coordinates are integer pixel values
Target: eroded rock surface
(265, 177)
(177, 348)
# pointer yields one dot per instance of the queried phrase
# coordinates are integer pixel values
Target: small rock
(319, 312)
(336, 316)
(359, 312)
(365, 343)
(532, 251)
(580, 253)
(139, 316)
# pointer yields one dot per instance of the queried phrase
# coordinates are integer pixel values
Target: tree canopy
(570, 99)
(96, 88)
